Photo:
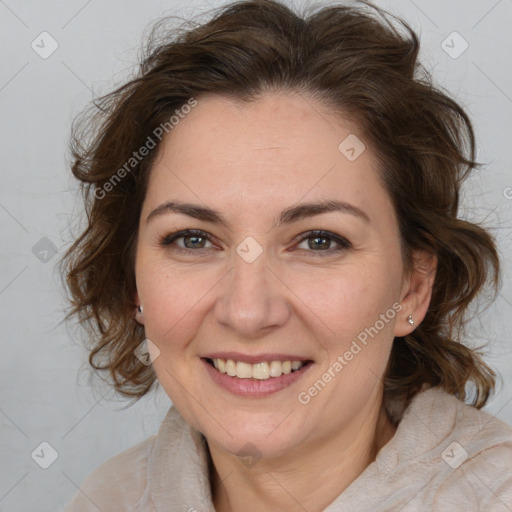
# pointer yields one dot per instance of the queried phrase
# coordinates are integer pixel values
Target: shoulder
(475, 448)
(117, 484)
(475, 430)
(167, 469)
(479, 456)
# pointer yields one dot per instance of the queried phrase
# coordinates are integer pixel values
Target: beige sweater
(445, 456)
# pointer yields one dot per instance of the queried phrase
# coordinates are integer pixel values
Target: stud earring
(140, 309)
(410, 320)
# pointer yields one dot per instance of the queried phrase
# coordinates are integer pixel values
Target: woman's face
(256, 287)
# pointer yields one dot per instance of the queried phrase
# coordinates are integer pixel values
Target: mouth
(261, 371)
(255, 377)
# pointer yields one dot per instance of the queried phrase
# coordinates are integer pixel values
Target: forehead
(270, 152)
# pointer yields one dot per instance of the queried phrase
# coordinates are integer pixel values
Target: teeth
(261, 371)
(231, 367)
(243, 370)
(276, 369)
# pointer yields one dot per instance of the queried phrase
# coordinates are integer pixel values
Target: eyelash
(341, 241)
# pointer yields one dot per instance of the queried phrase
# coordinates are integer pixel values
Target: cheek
(355, 323)
(174, 309)
(348, 299)
(359, 318)
(339, 301)
(173, 300)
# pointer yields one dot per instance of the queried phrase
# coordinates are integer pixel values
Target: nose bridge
(252, 299)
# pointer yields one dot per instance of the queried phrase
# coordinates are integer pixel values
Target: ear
(139, 317)
(416, 292)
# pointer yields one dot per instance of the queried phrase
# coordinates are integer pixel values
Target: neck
(310, 478)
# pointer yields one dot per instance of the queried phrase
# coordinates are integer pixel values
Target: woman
(273, 237)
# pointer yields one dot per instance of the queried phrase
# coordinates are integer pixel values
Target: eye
(319, 243)
(315, 243)
(191, 240)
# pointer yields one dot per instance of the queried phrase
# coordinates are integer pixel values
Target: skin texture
(250, 161)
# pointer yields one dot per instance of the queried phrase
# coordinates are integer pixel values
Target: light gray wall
(45, 398)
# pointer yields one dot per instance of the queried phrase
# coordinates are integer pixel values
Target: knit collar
(180, 461)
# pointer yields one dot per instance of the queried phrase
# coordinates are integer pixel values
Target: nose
(253, 299)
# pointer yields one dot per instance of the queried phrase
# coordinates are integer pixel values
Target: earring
(410, 320)
(140, 309)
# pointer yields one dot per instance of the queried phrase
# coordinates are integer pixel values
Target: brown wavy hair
(361, 62)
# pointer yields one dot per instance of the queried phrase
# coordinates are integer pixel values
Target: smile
(261, 371)
(252, 378)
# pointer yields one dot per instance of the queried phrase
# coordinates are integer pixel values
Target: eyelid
(342, 242)
(171, 237)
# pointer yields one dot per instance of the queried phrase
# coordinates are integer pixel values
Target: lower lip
(254, 387)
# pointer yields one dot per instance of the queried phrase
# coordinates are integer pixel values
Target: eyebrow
(287, 216)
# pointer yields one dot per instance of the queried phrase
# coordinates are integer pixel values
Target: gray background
(46, 393)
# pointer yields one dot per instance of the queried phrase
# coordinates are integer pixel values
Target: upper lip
(253, 359)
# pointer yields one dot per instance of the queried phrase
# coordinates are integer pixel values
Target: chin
(257, 446)
(257, 434)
